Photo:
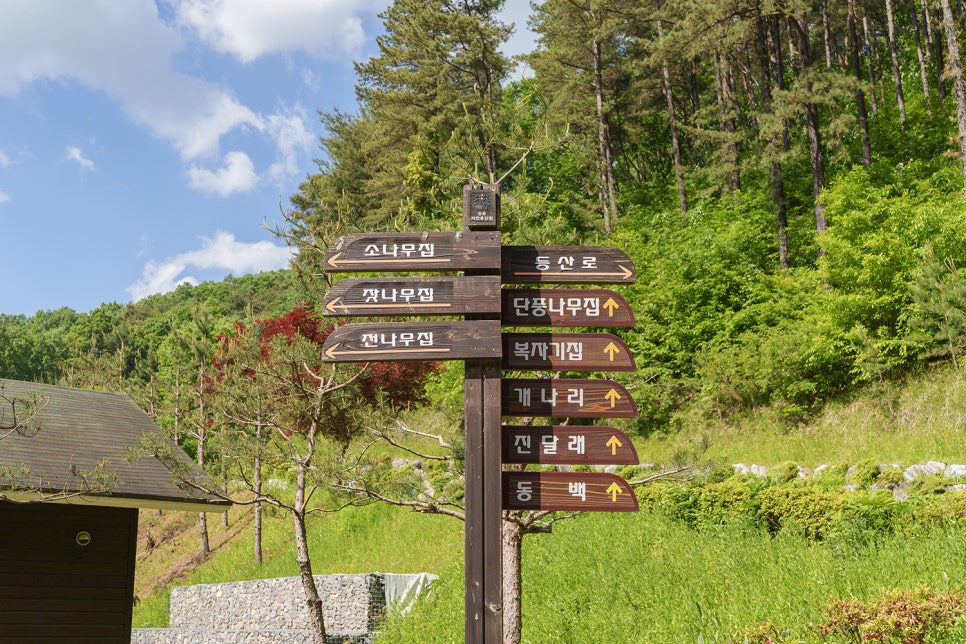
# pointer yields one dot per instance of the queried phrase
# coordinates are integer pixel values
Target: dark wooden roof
(73, 431)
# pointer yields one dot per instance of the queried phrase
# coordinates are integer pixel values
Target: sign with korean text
(481, 207)
(562, 397)
(573, 491)
(413, 341)
(566, 352)
(566, 264)
(414, 252)
(413, 296)
(565, 307)
(567, 445)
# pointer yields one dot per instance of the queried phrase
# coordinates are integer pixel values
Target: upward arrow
(614, 490)
(611, 306)
(613, 397)
(611, 349)
(613, 443)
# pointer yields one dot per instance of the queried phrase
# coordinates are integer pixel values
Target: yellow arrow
(613, 444)
(611, 306)
(613, 397)
(332, 353)
(612, 350)
(614, 490)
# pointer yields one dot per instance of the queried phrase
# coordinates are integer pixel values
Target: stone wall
(265, 611)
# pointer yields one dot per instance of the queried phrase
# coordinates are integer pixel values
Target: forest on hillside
(787, 177)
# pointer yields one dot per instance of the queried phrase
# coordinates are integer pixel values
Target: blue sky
(145, 143)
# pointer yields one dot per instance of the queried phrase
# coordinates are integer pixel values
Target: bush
(813, 510)
(914, 616)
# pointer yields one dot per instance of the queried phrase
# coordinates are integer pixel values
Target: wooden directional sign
(414, 252)
(594, 491)
(567, 445)
(566, 352)
(413, 341)
(561, 397)
(566, 264)
(413, 296)
(589, 307)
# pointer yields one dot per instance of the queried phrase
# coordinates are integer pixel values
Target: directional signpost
(413, 296)
(565, 307)
(413, 341)
(479, 340)
(414, 252)
(567, 491)
(566, 352)
(567, 445)
(571, 398)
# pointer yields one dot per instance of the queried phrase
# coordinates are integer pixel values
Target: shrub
(865, 473)
(912, 616)
(814, 510)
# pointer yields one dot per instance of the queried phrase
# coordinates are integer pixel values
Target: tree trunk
(257, 484)
(608, 198)
(921, 56)
(827, 35)
(894, 52)
(512, 582)
(956, 73)
(940, 65)
(202, 419)
(672, 122)
(870, 64)
(859, 93)
(723, 86)
(771, 62)
(312, 599)
(815, 154)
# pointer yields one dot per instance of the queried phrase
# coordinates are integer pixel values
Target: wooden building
(69, 499)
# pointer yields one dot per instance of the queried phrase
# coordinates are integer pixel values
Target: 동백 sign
(572, 491)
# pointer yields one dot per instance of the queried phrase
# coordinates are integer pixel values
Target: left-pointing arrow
(413, 341)
(413, 296)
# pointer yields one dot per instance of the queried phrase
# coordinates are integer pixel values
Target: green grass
(643, 578)
(374, 538)
(924, 419)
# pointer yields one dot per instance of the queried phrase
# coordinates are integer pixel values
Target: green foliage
(914, 616)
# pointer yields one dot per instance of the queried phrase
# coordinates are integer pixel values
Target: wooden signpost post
(479, 341)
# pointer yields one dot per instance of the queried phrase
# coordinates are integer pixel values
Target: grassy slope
(607, 576)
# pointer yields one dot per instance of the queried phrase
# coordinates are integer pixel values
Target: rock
(955, 471)
(923, 469)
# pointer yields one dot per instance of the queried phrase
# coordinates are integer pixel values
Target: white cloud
(77, 155)
(4, 197)
(247, 29)
(292, 140)
(4, 160)
(223, 252)
(125, 50)
(237, 175)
